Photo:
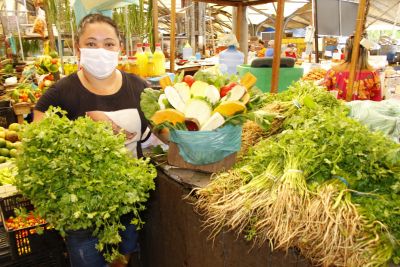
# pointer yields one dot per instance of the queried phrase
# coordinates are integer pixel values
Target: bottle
(141, 60)
(229, 59)
(150, 63)
(150, 66)
(198, 56)
(159, 61)
(133, 67)
(187, 51)
(122, 64)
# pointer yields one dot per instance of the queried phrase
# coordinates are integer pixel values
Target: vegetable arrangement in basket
(204, 102)
(25, 92)
(79, 175)
(47, 64)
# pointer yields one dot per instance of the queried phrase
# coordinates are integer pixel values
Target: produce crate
(5, 254)
(53, 258)
(7, 190)
(27, 241)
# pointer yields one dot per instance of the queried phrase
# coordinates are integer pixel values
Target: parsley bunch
(79, 175)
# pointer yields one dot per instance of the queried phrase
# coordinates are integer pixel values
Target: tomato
(49, 77)
(24, 97)
(189, 80)
(23, 222)
(54, 61)
(225, 89)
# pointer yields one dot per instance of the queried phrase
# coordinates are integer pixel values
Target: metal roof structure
(298, 13)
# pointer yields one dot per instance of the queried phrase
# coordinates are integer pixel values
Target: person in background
(103, 93)
(367, 83)
(260, 48)
(290, 51)
(342, 56)
(252, 53)
(270, 50)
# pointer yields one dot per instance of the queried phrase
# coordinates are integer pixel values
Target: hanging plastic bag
(383, 116)
(206, 147)
(39, 25)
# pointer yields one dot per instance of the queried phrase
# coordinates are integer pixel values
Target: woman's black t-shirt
(123, 107)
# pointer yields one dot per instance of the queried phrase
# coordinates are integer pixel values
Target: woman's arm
(37, 115)
(328, 80)
(162, 134)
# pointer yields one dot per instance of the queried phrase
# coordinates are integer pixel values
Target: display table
(190, 67)
(173, 234)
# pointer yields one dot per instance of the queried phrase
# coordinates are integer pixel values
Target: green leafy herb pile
(322, 182)
(79, 175)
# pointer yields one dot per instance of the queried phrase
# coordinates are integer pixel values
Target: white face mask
(99, 62)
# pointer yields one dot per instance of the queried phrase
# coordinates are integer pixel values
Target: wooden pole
(239, 13)
(155, 21)
(127, 31)
(52, 42)
(172, 37)
(277, 46)
(356, 48)
(212, 32)
(315, 24)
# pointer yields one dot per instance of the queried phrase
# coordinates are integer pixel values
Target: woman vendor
(367, 83)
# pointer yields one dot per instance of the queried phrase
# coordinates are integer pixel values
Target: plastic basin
(264, 76)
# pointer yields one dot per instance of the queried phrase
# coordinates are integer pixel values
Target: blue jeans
(82, 250)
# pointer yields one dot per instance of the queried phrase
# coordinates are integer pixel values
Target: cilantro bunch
(79, 175)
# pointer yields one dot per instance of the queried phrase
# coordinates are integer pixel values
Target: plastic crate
(7, 190)
(27, 241)
(5, 254)
(52, 258)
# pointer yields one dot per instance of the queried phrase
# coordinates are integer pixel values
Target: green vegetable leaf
(149, 102)
(79, 175)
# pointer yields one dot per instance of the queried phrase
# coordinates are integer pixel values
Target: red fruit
(189, 80)
(225, 89)
(54, 61)
(192, 124)
(49, 77)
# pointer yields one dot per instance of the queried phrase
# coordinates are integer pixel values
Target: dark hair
(362, 63)
(96, 18)
(261, 42)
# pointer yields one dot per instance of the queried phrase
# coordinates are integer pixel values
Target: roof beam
(380, 16)
(221, 2)
(376, 18)
(259, 11)
(237, 3)
(258, 2)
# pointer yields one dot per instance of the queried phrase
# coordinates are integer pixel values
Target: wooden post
(52, 42)
(239, 13)
(315, 24)
(277, 46)
(172, 37)
(212, 32)
(155, 21)
(356, 48)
